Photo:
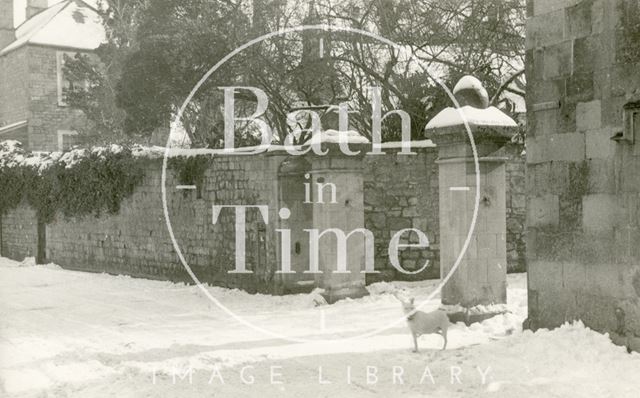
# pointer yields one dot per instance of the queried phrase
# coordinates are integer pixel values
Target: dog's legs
(444, 336)
(415, 342)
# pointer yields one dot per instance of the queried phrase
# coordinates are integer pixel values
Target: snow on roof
(490, 116)
(13, 126)
(70, 24)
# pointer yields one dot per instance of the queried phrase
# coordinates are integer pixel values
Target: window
(66, 81)
(67, 139)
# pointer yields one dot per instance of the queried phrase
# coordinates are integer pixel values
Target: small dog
(425, 322)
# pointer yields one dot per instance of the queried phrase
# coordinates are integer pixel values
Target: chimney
(7, 34)
(35, 6)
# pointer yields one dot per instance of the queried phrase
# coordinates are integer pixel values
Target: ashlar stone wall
(583, 180)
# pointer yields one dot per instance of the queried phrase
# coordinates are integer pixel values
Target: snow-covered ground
(74, 334)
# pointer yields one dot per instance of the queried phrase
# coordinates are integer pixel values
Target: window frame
(61, 133)
(630, 119)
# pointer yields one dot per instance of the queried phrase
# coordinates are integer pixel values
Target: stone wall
(14, 88)
(136, 240)
(516, 207)
(400, 191)
(19, 233)
(583, 188)
(46, 114)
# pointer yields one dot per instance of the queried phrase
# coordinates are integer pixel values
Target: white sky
(19, 8)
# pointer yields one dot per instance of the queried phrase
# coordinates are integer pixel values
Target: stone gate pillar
(481, 276)
(342, 174)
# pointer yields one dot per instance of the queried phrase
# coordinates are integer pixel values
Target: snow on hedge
(12, 154)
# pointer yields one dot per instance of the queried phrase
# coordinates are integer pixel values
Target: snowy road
(73, 334)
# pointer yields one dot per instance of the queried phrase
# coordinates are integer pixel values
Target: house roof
(13, 126)
(71, 24)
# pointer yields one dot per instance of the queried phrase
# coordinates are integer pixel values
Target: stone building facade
(583, 165)
(32, 77)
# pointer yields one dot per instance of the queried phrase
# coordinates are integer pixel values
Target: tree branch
(504, 86)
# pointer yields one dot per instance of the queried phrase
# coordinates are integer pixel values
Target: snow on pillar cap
(469, 91)
(487, 122)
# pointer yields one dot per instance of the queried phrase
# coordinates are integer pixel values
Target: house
(32, 78)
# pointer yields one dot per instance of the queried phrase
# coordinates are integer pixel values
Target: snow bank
(78, 334)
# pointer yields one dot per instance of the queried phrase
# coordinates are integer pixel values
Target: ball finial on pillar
(469, 91)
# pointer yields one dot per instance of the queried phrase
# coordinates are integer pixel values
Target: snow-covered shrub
(76, 183)
(11, 178)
